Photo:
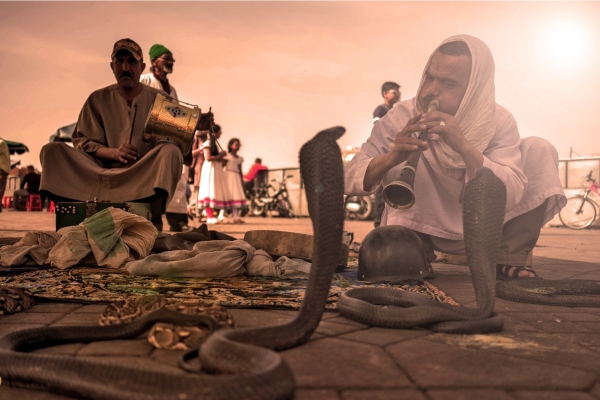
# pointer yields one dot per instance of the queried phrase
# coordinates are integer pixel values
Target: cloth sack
(209, 259)
(72, 247)
(114, 235)
(218, 259)
(34, 245)
(262, 264)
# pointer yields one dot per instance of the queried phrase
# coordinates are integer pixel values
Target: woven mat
(100, 285)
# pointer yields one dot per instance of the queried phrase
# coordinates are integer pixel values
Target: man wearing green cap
(109, 160)
(162, 65)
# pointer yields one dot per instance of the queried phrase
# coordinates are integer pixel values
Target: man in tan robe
(109, 160)
(468, 131)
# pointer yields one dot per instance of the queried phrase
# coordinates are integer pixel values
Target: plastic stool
(7, 202)
(34, 203)
(51, 207)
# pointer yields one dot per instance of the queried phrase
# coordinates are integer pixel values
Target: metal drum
(171, 121)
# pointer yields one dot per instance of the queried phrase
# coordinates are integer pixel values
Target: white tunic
(213, 191)
(237, 197)
(150, 80)
(438, 209)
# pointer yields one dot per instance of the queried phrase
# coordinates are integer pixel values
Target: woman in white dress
(213, 191)
(234, 179)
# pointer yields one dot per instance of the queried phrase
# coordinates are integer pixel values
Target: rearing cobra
(245, 364)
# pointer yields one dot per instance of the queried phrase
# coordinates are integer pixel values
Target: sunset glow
(275, 73)
(565, 46)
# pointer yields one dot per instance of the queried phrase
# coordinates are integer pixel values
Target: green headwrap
(157, 50)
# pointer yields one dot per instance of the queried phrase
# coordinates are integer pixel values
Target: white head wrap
(475, 116)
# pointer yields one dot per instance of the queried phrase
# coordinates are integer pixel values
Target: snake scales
(566, 293)
(243, 359)
(245, 364)
(483, 215)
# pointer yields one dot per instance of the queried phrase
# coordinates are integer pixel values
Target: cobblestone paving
(544, 352)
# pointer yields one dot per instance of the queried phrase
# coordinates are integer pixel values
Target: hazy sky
(275, 73)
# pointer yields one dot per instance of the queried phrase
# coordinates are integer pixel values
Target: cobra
(246, 360)
(483, 216)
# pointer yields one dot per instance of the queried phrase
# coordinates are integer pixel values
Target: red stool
(52, 207)
(34, 203)
(7, 202)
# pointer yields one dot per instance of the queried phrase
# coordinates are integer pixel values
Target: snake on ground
(244, 363)
(483, 216)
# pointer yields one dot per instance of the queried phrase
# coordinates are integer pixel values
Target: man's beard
(167, 69)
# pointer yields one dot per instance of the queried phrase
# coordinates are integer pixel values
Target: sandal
(505, 272)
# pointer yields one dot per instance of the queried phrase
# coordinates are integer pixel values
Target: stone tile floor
(544, 352)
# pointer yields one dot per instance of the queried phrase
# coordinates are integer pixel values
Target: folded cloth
(34, 245)
(72, 247)
(209, 259)
(116, 236)
(262, 264)
(218, 259)
(187, 240)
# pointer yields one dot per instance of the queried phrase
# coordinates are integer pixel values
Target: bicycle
(266, 199)
(581, 211)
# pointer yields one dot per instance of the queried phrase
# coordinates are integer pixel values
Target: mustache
(426, 100)
(126, 74)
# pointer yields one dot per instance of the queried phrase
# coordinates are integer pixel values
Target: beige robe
(528, 168)
(107, 121)
(530, 175)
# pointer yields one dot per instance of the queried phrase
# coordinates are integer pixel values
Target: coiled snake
(244, 360)
(483, 215)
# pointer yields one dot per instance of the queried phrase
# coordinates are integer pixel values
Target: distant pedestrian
(4, 168)
(390, 91)
(30, 184)
(197, 160)
(213, 191)
(251, 175)
(235, 180)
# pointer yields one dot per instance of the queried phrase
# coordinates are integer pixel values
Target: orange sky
(275, 73)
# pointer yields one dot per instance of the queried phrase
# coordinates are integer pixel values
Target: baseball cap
(130, 46)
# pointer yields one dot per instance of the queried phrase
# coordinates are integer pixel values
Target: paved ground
(544, 352)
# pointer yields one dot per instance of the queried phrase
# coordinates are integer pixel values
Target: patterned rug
(100, 285)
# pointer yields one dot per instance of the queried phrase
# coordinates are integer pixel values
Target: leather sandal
(506, 272)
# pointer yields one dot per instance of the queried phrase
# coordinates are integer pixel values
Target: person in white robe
(468, 131)
(162, 62)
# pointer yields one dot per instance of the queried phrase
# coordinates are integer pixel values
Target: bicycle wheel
(257, 208)
(284, 208)
(579, 213)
